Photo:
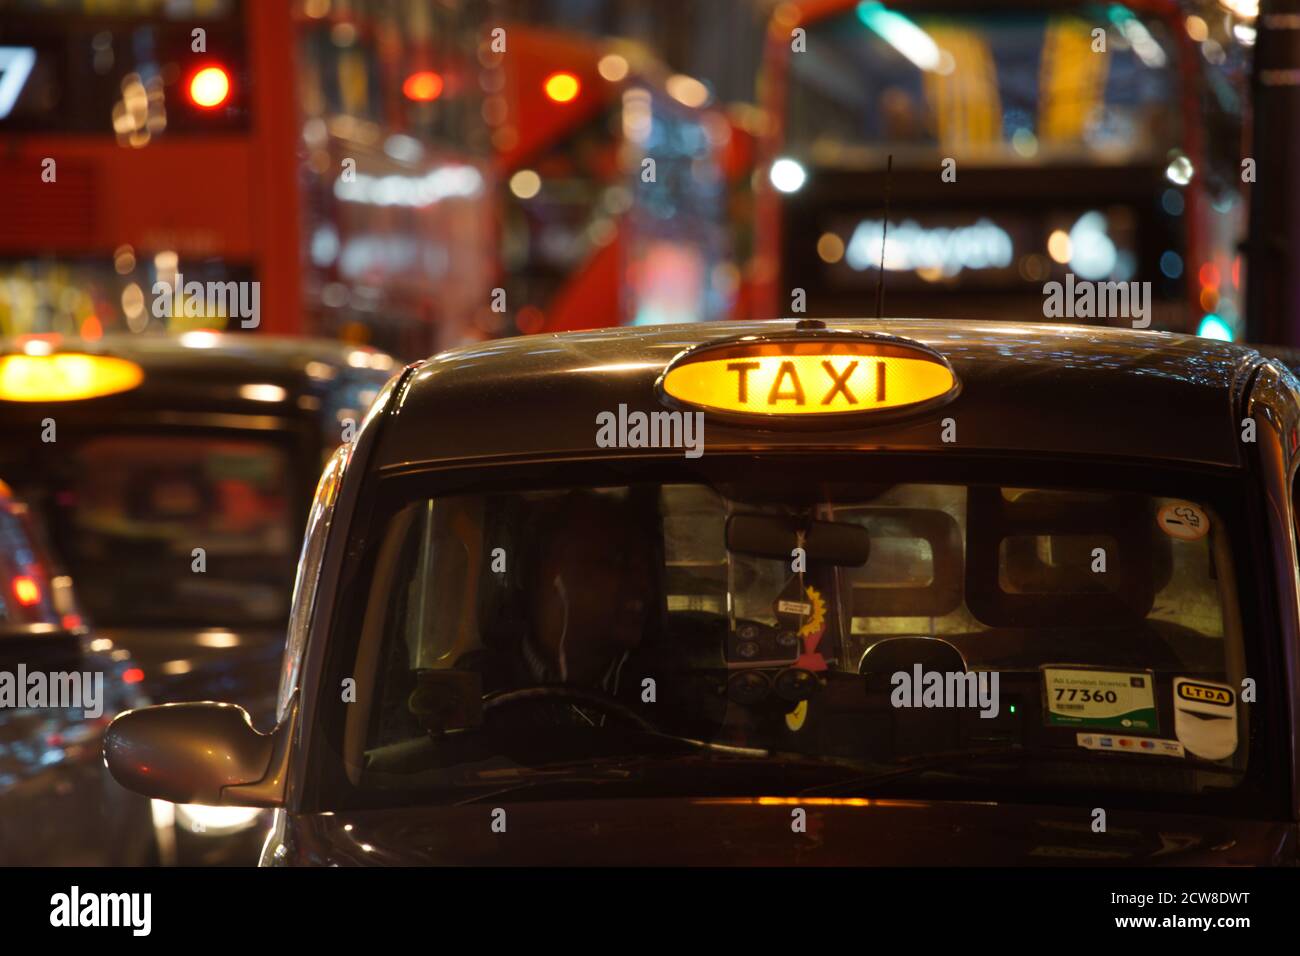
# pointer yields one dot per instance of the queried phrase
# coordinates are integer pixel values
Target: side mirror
(205, 753)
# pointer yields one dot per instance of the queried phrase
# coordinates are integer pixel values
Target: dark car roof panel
(1035, 389)
(224, 350)
(209, 376)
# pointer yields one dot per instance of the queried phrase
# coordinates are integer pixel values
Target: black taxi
(875, 592)
(173, 475)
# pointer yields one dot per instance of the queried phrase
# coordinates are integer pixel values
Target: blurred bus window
(122, 67)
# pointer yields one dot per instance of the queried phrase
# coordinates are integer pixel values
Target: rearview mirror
(205, 753)
(776, 536)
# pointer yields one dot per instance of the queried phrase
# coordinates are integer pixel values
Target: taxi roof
(206, 370)
(1053, 390)
(236, 354)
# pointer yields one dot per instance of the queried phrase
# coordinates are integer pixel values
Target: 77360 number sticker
(1100, 699)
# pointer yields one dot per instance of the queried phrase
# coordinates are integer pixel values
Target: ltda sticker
(1205, 717)
(1206, 693)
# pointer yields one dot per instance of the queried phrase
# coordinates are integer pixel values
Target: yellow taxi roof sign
(804, 377)
(65, 377)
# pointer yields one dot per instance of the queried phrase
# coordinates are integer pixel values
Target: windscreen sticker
(1132, 745)
(1183, 520)
(1115, 700)
(812, 632)
(793, 606)
(1205, 717)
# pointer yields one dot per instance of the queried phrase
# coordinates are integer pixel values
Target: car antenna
(884, 233)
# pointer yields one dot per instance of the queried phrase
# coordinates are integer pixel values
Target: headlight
(215, 820)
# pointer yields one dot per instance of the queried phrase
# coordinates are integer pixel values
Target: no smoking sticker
(1183, 520)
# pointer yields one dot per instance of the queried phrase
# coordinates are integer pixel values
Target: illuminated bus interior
(1021, 156)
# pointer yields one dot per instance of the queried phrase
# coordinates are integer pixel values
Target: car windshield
(168, 529)
(706, 637)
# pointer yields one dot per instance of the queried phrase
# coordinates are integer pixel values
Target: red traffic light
(209, 88)
(424, 86)
(561, 87)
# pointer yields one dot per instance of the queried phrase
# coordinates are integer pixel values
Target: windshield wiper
(952, 759)
(530, 778)
(632, 767)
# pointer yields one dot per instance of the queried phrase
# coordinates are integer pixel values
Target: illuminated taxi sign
(825, 376)
(65, 377)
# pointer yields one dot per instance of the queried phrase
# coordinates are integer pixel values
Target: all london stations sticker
(1099, 699)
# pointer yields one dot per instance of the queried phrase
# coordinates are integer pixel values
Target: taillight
(26, 590)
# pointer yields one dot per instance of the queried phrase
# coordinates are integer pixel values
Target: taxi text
(826, 385)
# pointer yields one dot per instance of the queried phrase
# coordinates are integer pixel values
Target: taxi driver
(588, 593)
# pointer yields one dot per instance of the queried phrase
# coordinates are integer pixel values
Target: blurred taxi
(58, 804)
(894, 592)
(173, 475)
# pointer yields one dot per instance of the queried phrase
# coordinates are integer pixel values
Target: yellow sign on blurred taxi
(809, 376)
(65, 377)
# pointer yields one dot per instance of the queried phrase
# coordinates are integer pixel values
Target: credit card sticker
(1130, 745)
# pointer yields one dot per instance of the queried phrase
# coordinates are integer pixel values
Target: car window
(997, 76)
(217, 512)
(737, 616)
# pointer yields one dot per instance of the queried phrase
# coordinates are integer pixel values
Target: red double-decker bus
(1029, 140)
(330, 151)
(615, 173)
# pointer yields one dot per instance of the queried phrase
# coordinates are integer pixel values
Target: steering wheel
(574, 695)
